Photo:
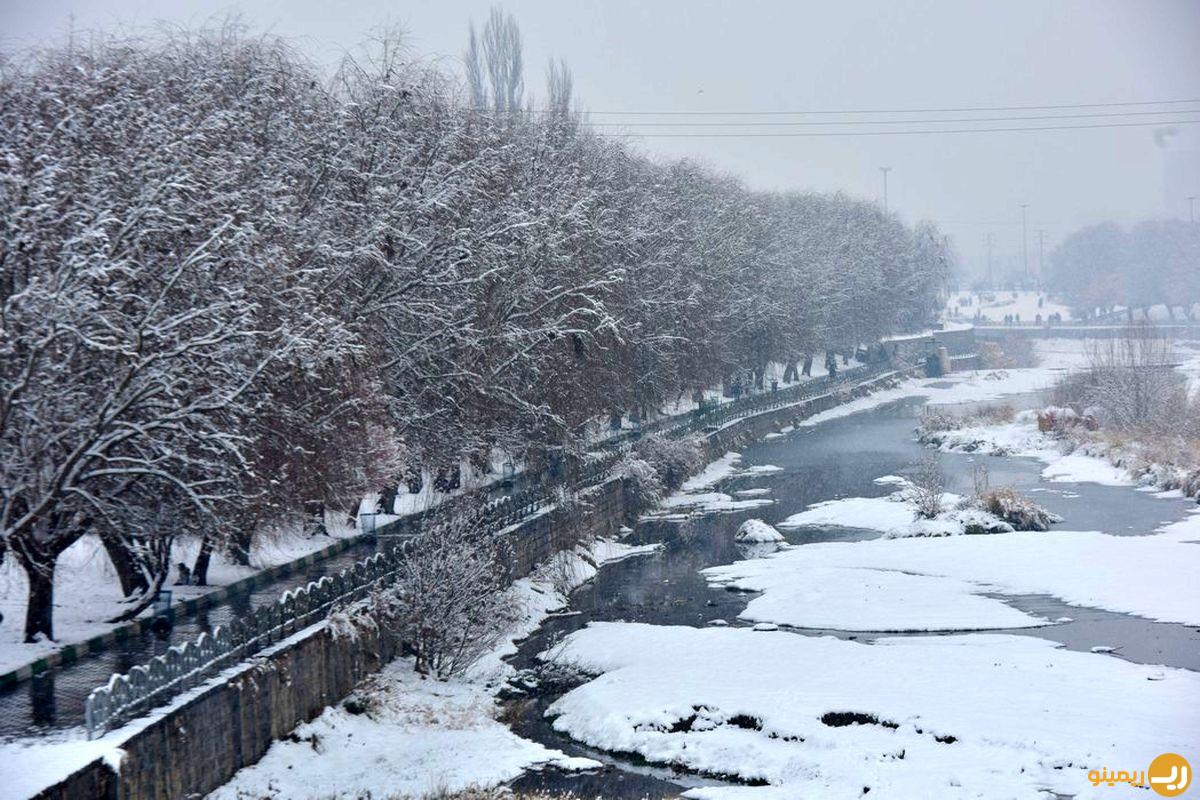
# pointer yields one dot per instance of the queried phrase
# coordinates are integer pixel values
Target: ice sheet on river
(975, 715)
(937, 584)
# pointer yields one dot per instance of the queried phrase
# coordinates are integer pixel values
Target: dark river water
(839, 458)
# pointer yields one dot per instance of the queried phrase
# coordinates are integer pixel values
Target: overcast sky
(686, 55)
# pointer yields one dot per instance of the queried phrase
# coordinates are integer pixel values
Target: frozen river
(836, 459)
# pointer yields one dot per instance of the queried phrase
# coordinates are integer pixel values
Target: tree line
(235, 290)
(1106, 266)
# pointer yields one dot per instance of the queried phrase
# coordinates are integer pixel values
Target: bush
(1130, 386)
(672, 460)
(1017, 510)
(450, 603)
(928, 484)
(643, 488)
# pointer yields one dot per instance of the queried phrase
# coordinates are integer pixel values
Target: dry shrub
(928, 485)
(449, 603)
(643, 488)
(1016, 509)
(673, 460)
(936, 421)
(1132, 378)
(997, 414)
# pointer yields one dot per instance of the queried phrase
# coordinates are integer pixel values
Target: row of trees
(1152, 263)
(234, 291)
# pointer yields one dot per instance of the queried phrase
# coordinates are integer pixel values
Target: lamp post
(885, 171)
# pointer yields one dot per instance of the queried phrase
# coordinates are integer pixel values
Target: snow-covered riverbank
(972, 714)
(979, 716)
(407, 736)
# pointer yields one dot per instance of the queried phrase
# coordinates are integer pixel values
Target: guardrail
(183, 666)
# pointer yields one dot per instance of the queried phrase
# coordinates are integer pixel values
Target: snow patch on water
(822, 717)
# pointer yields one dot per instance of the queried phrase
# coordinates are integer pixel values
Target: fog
(659, 59)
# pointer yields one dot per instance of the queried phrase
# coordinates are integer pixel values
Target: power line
(808, 134)
(950, 109)
(887, 121)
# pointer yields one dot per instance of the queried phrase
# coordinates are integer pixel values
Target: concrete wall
(600, 512)
(1179, 332)
(917, 349)
(199, 745)
(749, 429)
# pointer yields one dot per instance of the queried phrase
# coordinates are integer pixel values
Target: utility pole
(1025, 239)
(989, 251)
(885, 171)
(1041, 254)
(1192, 208)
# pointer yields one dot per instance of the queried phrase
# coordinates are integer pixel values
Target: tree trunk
(39, 614)
(200, 570)
(316, 510)
(239, 545)
(791, 373)
(808, 362)
(387, 499)
(129, 571)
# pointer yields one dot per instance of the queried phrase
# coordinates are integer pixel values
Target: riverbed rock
(755, 530)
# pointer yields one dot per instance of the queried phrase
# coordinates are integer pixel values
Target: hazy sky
(687, 55)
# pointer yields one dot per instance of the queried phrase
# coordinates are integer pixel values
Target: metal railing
(184, 666)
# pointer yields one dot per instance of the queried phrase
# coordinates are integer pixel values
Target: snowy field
(1021, 303)
(970, 716)
(1021, 437)
(939, 584)
(960, 387)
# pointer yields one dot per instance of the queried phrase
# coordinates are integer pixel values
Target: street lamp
(885, 171)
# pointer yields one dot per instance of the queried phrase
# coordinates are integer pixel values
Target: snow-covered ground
(696, 494)
(422, 736)
(968, 716)
(941, 583)
(1093, 460)
(895, 515)
(958, 387)
(1003, 303)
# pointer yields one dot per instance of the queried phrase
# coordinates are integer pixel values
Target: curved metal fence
(150, 685)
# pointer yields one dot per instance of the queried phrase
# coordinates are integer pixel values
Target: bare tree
(495, 64)
(1132, 379)
(928, 485)
(449, 603)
